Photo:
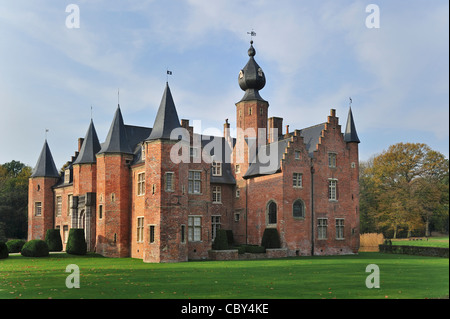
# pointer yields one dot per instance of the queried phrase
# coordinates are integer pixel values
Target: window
(143, 152)
(297, 180)
(217, 194)
(58, 205)
(67, 176)
(332, 189)
(193, 151)
(141, 184)
(65, 233)
(151, 234)
(38, 209)
(216, 169)
(140, 229)
(237, 169)
(297, 155)
(237, 217)
(331, 159)
(215, 225)
(169, 182)
(298, 209)
(249, 111)
(322, 224)
(100, 211)
(272, 213)
(261, 111)
(339, 228)
(69, 204)
(194, 182)
(183, 234)
(238, 192)
(194, 228)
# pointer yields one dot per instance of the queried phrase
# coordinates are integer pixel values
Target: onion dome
(251, 77)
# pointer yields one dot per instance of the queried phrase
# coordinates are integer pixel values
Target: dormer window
(216, 169)
(67, 176)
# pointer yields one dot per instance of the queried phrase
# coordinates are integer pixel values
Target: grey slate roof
(227, 175)
(117, 138)
(91, 146)
(45, 166)
(166, 119)
(311, 137)
(350, 134)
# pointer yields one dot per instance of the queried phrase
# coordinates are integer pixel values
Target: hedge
(15, 245)
(35, 248)
(76, 243)
(53, 240)
(414, 250)
(221, 240)
(3, 250)
(270, 238)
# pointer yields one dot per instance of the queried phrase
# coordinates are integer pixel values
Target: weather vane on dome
(252, 34)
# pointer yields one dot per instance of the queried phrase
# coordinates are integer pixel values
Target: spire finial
(252, 34)
(167, 74)
(46, 131)
(350, 104)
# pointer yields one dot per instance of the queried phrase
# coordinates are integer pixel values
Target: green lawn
(401, 276)
(431, 242)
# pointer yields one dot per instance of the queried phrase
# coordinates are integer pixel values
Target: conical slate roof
(116, 140)
(45, 166)
(90, 147)
(166, 119)
(350, 134)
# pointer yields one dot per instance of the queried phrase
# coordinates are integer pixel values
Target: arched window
(272, 213)
(298, 209)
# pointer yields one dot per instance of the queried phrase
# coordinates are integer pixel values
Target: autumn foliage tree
(404, 188)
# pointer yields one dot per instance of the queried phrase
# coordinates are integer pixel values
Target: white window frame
(340, 225)
(332, 159)
(297, 180)
(194, 228)
(141, 184)
(322, 228)
(216, 168)
(140, 229)
(217, 194)
(58, 206)
(195, 182)
(169, 187)
(332, 189)
(215, 225)
(37, 208)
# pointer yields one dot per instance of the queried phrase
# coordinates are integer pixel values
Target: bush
(254, 249)
(53, 240)
(271, 239)
(76, 244)
(35, 248)
(3, 250)
(230, 238)
(15, 245)
(221, 240)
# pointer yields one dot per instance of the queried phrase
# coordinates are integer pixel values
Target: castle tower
(251, 111)
(40, 195)
(352, 140)
(165, 210)
(85, 187)
(113, 195)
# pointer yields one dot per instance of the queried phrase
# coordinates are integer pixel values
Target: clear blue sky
(315, 55)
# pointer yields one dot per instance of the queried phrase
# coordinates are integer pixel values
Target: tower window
(169, 182)
(38, 209)
(141, 184)
(249, 111)
(272, 213)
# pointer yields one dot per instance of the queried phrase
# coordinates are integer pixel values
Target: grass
(431, 242)
(401, 276)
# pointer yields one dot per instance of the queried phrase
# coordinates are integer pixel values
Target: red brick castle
(160, 194)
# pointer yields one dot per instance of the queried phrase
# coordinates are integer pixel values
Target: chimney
(226, 130)
(287, 132)
(277, 124)
(80, 143)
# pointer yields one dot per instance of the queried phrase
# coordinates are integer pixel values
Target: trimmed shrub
(254, 249)
(3, 250)
(221, 240)
(15, 245)
(35, 248)
(53, 240)
(230, 238)
(271, 239)
(76, 244)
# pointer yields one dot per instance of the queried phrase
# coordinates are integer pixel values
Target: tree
(14, 198)
(408, 186)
